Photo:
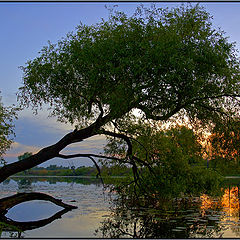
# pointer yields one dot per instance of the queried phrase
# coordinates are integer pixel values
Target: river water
(201, 216)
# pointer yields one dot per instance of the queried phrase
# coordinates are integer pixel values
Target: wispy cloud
(18, 149)
(33, 132)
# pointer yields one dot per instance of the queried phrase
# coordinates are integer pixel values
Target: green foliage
(175, 156)
(204, 180)
(7, 115)
(25, 155)
(115, 170)
(170, 146)
(54, 170)
(158, 146)
(55, 167)
(172, 182)
(158, 61)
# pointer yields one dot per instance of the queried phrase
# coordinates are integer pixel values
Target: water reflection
(151, 223)
(17, 200)
(25, 185)
(14, 229)
(228, 207)
(229, 202)
(86, 194)
(26, 182)
(196, 217)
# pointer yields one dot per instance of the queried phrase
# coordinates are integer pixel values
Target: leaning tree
(162, 62)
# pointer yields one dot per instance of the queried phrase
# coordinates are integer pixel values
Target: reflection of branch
(9, 202)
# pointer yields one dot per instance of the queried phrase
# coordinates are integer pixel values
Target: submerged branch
(9, 202)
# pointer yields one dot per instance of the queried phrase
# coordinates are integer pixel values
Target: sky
(27, 27)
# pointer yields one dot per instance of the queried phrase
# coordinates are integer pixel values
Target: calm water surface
(88, 196)
(96, 215)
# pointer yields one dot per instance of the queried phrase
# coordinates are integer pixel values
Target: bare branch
(85, 155)
(179, 106)
(213, 109)
(165, 117)
(98, 169)
(130, 155)
(90, 155)
(122, 136)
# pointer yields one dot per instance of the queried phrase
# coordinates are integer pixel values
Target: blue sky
(26, 28)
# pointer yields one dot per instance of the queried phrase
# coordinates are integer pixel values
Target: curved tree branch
(119, 135)
(179, 106)
(90, 155)
(122, 131)
(30, 225)
(53, 151)
(165, 117)
(133, 159)
(8, 202)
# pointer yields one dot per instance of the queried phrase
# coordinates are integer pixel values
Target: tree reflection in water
(229, 205)
(15, 228)
(200, 217)
(25, 185)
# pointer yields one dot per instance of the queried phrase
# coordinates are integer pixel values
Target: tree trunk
(51, 151)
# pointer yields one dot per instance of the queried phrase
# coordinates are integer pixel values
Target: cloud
(39, 130)
(18, 149)
(34, 132)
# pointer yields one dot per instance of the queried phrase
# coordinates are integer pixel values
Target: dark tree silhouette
(161, 62)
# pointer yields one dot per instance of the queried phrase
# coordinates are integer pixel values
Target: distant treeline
(54, 170)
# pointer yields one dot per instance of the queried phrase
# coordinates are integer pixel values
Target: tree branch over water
(9, 202)
(161, 61)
